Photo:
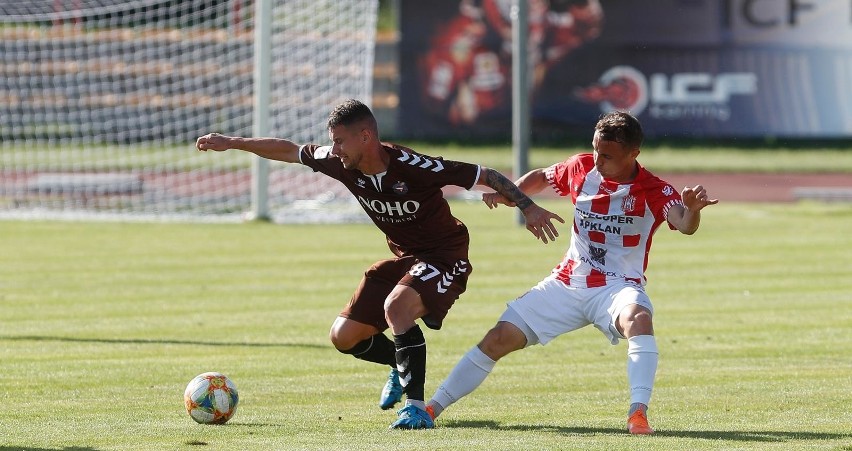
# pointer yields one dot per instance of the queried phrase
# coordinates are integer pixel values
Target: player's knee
(501, 340)
(340, 339)
(336, 339)
(392, 307)
(638, 322)
(643, 320)
(402, 310)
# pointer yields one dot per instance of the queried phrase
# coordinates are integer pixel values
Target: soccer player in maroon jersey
(400, 190)
(618, 205)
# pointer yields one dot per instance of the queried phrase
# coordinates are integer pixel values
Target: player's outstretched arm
(532, 182)
(687, 218)
(539, 220)
(270, 148)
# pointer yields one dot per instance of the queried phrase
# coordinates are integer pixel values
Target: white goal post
(101, 102)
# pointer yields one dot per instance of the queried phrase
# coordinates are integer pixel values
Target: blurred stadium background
(101, 100)
(687, 68)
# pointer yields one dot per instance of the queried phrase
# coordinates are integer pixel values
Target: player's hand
(495, 199)
(540, 223)
(696, 198)
(212, 141)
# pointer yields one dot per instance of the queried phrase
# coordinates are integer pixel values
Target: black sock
(378, 349)
(411, 362)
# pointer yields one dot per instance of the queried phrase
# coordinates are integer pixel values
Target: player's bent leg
(417, 295)
(476, 365)
(376, 348)
(468, 374)
(345, 334)
(402, 308)
(635, 320)
(502, 339)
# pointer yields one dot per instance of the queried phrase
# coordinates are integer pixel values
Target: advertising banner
(702, 68)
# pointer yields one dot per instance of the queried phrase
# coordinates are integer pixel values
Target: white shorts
(553, 308)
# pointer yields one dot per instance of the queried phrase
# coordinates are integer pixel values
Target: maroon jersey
(406, 201)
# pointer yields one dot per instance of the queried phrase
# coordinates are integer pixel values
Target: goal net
(101, 102)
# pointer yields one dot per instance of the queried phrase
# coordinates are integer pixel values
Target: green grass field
(103, 324)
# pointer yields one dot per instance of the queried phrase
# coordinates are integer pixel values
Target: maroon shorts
(439, 284)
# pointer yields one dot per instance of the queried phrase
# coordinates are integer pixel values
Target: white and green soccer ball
(211, 398)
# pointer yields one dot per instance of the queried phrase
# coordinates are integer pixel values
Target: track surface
(760, 187)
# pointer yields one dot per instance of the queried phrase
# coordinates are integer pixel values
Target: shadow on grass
(143, 341)
(28, 448)
(739, 436)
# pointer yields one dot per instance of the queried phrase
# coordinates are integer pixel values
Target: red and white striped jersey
(613, 223)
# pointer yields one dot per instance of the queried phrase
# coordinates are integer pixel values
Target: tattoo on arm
(507, 189)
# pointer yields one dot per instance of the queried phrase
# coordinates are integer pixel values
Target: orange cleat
(637, 424)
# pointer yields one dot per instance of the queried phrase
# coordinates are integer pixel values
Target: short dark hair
(621, 127)
(351, 112)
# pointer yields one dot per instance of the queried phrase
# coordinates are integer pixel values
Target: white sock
(468, 374)
(413, 402)
(642, 356)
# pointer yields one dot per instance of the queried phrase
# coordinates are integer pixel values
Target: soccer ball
(211, 398)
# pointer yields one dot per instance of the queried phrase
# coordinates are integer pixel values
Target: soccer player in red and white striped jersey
(618, 206)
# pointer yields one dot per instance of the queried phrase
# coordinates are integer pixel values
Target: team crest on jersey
(628, 204)
(400, 188)
(598, 254)
(668, 190)
(360, 182)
